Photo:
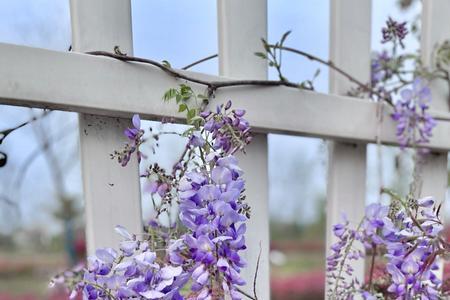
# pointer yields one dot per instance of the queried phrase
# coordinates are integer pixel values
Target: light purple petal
(136, 121)
(123, 232)
(152, 294)
(169, 272)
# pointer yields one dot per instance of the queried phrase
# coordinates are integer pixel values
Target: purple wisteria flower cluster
(133, 272)
(230, 130)
(405, 236)
(414, 123)
(381, 68)
(405, 89)
(211, 207)
(134, 135)
(199, 256)
(394, 31)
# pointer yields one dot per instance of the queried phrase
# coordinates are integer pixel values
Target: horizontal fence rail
(98, 85)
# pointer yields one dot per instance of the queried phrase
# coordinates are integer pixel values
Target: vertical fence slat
(242, 24)
(350, 23)
(111, 193)
(435, 29)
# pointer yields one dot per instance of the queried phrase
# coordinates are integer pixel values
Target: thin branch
(12, 204)
(372, 265)
(254, 297)
(211, 85)
(245, 294)
(214, 85)
(256, 271)
(331, 65)
(6, 132)
(40, 149)
(199, 61)
(51, 158)
(8, 201)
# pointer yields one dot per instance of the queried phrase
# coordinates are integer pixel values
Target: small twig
(212, 85)
(331, 65)
(256, 271)
(372, 265)
(199, 61)
(254, 297)
(6, 132)
(245, 294)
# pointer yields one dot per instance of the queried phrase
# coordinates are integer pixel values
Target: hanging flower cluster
(211, 207)
(229, 129)
(197, 257)
(381, 68)
(136, 272)
(392, 80)
(394, 31)
(134, 134)
(405, 236)
(414, 123)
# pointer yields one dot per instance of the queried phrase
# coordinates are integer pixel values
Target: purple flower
(414, 124)
(196, 140)
(425, 202)
(394, 31)
(380, 69)
(230, 131)
(212, 210)
(134, 134)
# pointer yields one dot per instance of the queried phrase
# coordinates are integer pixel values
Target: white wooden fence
(106, 92)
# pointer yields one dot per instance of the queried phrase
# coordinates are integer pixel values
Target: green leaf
(285, 35)
(188, 132)
(191, 113)
(170, 94)
(182, 107)
(202, 97)
(316, 74)
(265, 44)
(196, 118)
(261, 54)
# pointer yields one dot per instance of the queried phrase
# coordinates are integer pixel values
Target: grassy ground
(299, 263)
(18, 284)
(28, 273)
(24, 273)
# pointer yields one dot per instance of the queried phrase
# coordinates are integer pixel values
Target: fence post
(350, 23)
(111, 192)
(242, 24)
(435, 29)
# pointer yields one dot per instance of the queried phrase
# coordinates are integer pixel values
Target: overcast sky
(179, 31)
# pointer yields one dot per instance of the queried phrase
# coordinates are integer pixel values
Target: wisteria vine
(199, 254)
(404, 237)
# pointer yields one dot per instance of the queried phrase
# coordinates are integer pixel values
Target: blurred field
(25, 275)
(298, 258)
